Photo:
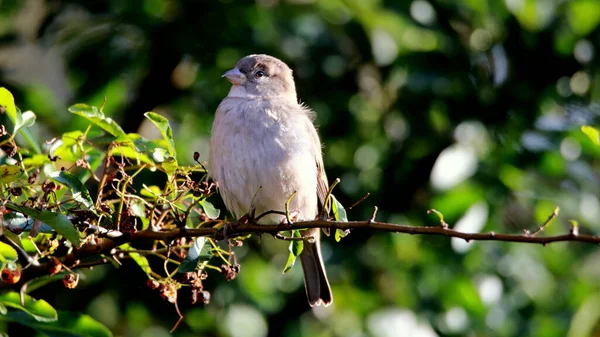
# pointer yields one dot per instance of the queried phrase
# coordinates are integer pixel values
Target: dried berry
(54, 266)
(229, 272)
(10, 276)
(205, 296)
(194, 296)
(169, 292)
(48, 186)
(196, 156)
(16, 191)
(32, 178)
(71, 280)
(152, 284)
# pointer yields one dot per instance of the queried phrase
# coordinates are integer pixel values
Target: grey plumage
(263, 148)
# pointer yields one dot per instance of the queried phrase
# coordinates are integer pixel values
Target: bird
(263, 149)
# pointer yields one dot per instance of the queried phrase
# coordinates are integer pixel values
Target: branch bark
(232, 229)
(112, 239)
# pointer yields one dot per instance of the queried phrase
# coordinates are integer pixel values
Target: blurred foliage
(471, 107)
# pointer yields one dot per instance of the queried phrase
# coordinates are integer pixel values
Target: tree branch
(233, 229)
(113, 239)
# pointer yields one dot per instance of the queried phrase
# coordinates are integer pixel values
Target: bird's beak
(235, 76)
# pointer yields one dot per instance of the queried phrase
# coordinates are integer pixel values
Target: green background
(470, 107)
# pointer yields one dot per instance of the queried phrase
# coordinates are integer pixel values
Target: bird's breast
(258, 156)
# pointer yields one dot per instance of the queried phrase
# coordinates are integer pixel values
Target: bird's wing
(322, 183)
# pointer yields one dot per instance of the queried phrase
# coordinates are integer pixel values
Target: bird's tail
(315, 278)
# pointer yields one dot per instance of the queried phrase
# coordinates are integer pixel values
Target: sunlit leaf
(97, 117)
(8, 252)
(210, 210)
(198, 252)
(24, 120)
(8, 102)
(340, 234)
(58, 221)
(10, 173)
(78, 190)
(141, 260)
(165, 130)
(69, 324)
(339, 212)
(295, 249)
(40, 310)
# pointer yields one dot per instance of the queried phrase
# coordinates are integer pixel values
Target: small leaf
(339, 212)
(41, 281)
(40, 310)
(58, 221)
(198, 252)
(98, 118)
(10, 173)
(141, 260)
(339, 234)
(8, 102)
(295, 249)
(290, 263)
(78, 190)
(69, 324)
(165, 130)
(25, 120)
(8, 252)
(210, 210)
(592, 134)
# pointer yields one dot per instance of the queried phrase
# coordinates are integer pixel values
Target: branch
(234, 229)
(237, 229)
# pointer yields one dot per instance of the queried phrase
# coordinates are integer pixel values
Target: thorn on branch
(360, 200)
(372, 218)
(574, 231)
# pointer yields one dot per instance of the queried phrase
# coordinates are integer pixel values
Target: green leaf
(592, 134)
(58, 221)
(78, 190)
(210, 210)
(340, 233)
(69, 324)
(141, 260)
(165, 130)
(11, 173)
(8, 252)
(339, 212)
(295, 249)
(198, 252)
(97, 117)
(44, 280)
(24, 120)
(40, 310)
(8, 102)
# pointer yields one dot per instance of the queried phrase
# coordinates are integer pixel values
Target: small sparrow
(263, 148)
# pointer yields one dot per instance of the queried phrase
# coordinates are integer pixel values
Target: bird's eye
(260, 74)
